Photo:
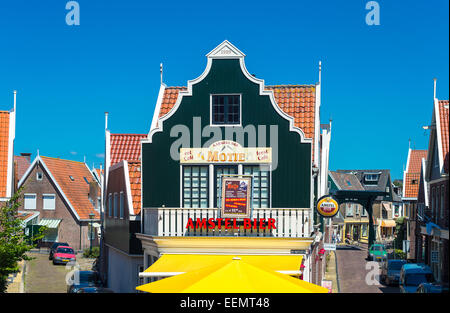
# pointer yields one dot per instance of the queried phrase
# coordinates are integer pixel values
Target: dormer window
(371, 177)
(226, 110)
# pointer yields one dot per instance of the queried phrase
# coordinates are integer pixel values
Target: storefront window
(364, 230)
(195, 186)
(220, 171)
(261, 185)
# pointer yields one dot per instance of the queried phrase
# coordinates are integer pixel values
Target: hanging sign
(226, 151)
(236, 197)
(327, 206)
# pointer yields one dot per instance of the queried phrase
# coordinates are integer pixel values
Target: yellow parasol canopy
(232, 276)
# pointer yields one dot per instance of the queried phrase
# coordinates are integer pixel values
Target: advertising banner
(236, 197)
(327, 206)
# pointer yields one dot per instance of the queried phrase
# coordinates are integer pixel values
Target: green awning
(50, 222)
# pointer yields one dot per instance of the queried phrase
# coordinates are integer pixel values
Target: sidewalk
(15, 281)
(331, 271)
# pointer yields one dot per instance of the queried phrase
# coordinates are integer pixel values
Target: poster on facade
(327, 206)
(236, 197)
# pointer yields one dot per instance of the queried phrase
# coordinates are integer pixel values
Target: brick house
(122, 252)
(411, 182)
(63, 194)
(434, 218)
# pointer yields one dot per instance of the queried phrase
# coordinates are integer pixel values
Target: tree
(13, 241)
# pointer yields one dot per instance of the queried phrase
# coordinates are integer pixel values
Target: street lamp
(91, 217)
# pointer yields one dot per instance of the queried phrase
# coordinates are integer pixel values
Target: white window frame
(24, 202)
(54, 201)
(371, 175)
(121, 205)
(37, 176)
(240, 109)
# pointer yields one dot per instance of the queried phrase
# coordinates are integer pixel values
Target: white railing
(172, 222)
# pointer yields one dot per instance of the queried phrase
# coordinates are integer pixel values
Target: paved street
(352, 272)
(42, 276)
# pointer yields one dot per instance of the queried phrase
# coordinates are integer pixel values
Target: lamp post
(91, 217)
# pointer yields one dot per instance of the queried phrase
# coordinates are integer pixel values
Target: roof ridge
(42, 156)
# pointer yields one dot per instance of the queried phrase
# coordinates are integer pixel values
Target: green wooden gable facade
(290, 183)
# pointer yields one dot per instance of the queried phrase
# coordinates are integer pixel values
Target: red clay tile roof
(134, 170)
(76, 190)
(4, 143)
(126, 147)
(297, 101)
(23, 163)
(412, 177)
(444, 120)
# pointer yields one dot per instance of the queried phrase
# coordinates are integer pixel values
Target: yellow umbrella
(232, 276)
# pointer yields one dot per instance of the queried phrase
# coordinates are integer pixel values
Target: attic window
(71, 178)
(349, 183)
(371, 177)
(39, 176)
(414, 182)
(226, 109)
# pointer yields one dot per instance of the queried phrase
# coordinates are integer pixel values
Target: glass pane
(203, 171)
(195, 182)
(187, 193)
(195, 193)
(264, 181)
(195, 170)
(264, 193)
(256, 203)
(195, 203)
(187, 182)
(187, 203)
(264, 203)
(203, 193)
(187, 171)
(264, 171)
(204, 203)
(256, 182)
(203, 182)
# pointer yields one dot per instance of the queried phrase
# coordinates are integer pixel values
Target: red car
(63, 255)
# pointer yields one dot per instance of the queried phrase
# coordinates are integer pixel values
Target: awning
(233, 275)
(50, 222)
(175, 264)
(387, 223)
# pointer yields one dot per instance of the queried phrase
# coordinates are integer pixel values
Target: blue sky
(377, 81)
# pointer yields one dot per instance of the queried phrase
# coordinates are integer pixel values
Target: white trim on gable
(11, 137)
(128, 188)
(162, 89)
(438, 134)
(425, 183)
(218, 53)
(406, 171)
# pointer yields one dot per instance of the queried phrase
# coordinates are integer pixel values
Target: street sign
(329, 246)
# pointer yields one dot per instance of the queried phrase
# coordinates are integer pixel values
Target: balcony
(171, 222)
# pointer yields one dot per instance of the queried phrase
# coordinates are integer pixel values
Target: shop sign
(236, 197)
(225, 151)
(329, 246)
(327, 206)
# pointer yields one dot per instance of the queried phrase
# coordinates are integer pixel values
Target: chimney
(27, 155)
(434, 92)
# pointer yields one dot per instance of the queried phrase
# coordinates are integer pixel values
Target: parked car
(414, 274)
(94, 290)
(377, 252)
(390, 271)
(53, 248)
(82, 279)
(63, 255)
(432, 288)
